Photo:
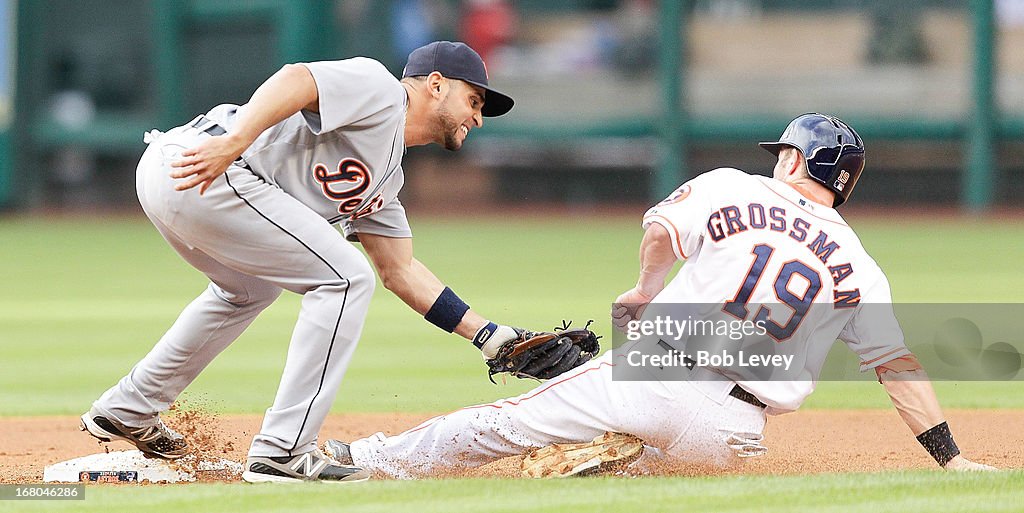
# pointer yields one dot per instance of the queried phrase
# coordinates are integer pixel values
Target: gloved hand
(539, 355)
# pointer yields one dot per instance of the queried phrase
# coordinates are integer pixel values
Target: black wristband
(938, 441)
(447, 311)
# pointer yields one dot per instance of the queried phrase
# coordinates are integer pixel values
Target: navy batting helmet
(833, 151)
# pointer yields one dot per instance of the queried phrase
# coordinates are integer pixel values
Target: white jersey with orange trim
(748, 242)
(745, 239)
(757, 246)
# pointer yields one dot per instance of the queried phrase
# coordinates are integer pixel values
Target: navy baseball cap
(459, 61)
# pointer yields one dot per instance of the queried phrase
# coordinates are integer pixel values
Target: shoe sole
(607, 453)
(94, 429)
(256, 478)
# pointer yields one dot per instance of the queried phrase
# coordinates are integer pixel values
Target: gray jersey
(263, 226)
(345, 163)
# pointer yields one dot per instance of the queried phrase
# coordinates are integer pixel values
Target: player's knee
(264, 295)
(260, 295)
(360, 277)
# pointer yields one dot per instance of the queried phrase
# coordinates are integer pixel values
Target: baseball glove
(544, 355)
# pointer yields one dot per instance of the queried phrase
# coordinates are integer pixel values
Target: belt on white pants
(207, 125)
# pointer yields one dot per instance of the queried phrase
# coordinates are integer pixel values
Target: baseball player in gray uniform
(248, 195)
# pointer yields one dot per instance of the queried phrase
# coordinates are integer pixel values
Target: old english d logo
(350, 180)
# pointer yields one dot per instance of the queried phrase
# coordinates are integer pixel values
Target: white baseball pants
(681, 422)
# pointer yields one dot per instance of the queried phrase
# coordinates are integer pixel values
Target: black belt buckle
(214, 129)
(739, 393)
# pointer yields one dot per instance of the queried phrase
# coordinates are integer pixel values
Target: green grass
(83, 299)
(897, 492)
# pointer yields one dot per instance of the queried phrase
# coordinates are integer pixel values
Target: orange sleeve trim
(905, 363)
(677, 238)
(890, 353)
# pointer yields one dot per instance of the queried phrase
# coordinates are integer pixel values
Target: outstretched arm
(410, 280)
(656, 261)
(914, 398)
(522, 353)
(286, 92)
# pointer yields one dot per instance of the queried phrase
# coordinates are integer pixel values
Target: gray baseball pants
(252, 240)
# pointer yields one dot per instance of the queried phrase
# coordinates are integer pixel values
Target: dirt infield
(799, 443)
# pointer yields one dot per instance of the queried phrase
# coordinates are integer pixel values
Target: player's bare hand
(204, 163)
(961, 464)
(628, 306)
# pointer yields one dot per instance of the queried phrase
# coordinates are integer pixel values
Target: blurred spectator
(1010, 13)
(636, 49)
(488, 25)
(897, 35)
(623, 38)
(71, 168)
(413, 24)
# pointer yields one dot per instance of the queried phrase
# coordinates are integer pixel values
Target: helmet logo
(844, 176)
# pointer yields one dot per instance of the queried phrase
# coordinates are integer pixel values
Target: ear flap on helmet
(845, 175)
(833, 150)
